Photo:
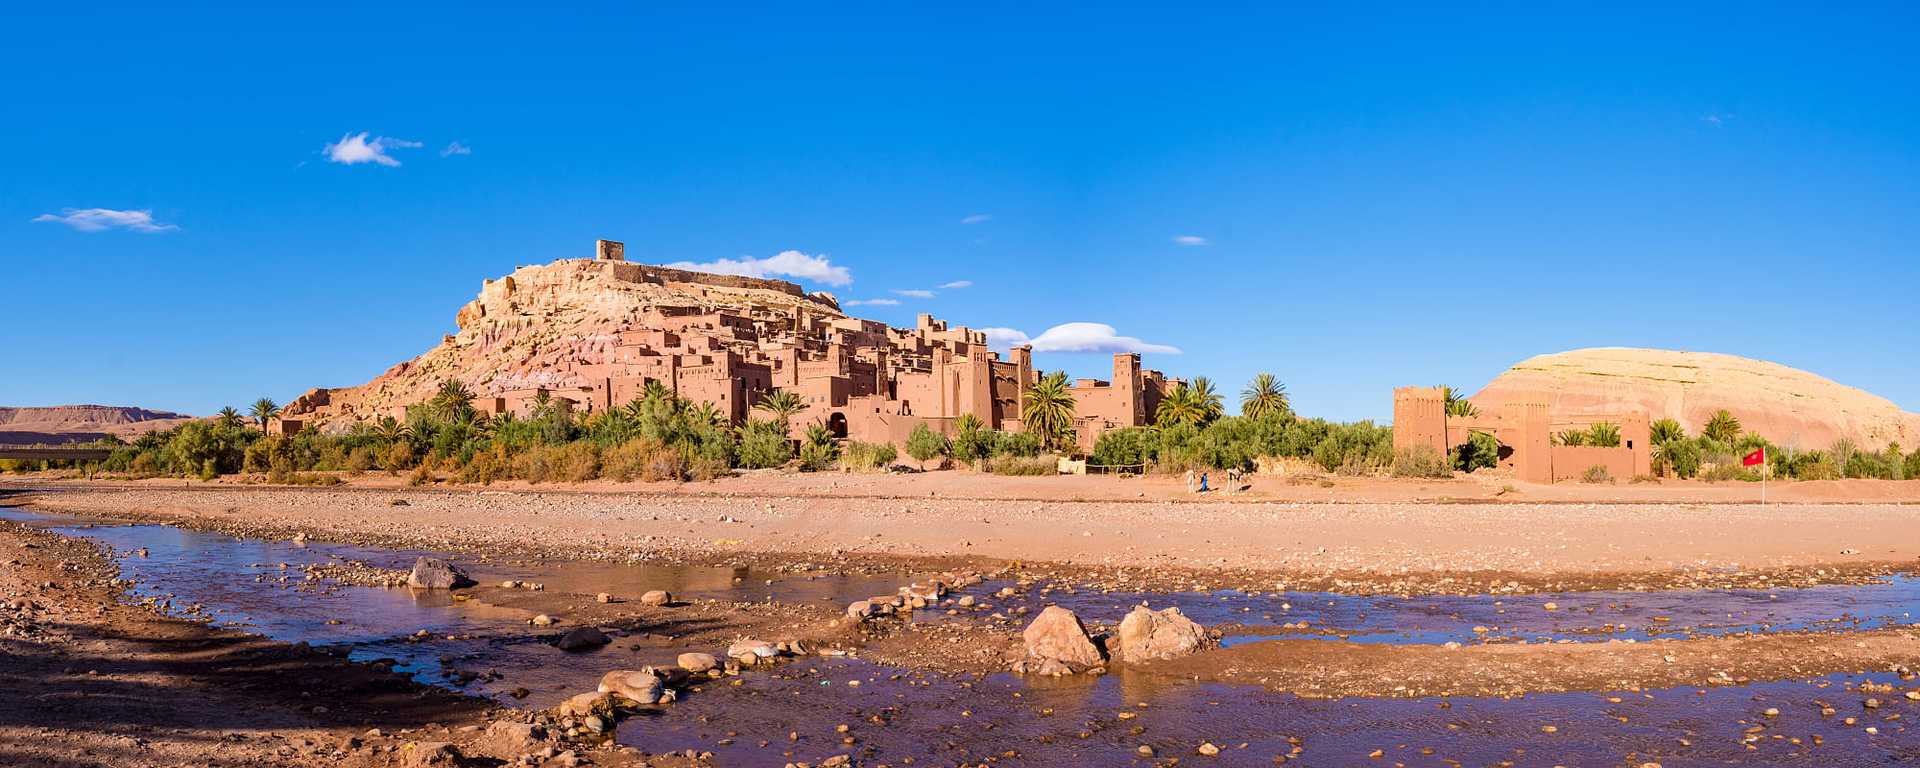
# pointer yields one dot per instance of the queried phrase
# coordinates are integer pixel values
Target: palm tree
(1722, 428)
(706, 413)
(1264, 395)
(391, 429)
(1049, 408)
(1571, 437)
(782, 405)
(1458, 406)
(453, 397)
(229, 418)
(1208, 399)
(265, 410)
(1604, 434)
(1666, 431)
(1180, 406)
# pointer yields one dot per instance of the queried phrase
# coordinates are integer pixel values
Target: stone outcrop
(435, 573)
(1791, 407)
(1145, 635)
(1056, 640)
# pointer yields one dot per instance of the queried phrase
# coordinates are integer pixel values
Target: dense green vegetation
(660, 436)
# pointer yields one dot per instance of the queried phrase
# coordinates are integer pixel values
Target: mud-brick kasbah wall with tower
(1525, 432)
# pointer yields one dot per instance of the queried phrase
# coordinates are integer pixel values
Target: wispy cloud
(958, 284)
(914, 293)
(1190, 240)
(357, 148)
(98, 219)
(1076, 337)
(456, 148)
(977, 218)
(871, 303)
(1717, 119)
(783, 264)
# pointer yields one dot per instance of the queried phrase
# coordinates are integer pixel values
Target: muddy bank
(92, 681)
(1349, 548)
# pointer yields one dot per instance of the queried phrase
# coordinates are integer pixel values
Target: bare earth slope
(1789, 406)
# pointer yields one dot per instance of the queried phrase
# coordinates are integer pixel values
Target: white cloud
(456, 148)
(97, 219)
(914, 293)
(958, 284)
(783, 264)
(353, 149)
(1075, 337)
(1190, 240)
(871, 303)
(1717, 119)
(1004, 338)
(977, 218)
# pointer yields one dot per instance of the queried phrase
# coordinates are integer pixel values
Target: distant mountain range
(81, 423)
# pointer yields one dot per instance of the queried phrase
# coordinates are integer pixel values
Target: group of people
(1236, 481)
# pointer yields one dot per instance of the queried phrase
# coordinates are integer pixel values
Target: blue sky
(1381, 195)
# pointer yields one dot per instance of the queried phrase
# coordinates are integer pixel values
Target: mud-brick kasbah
(727, 341)
(596, 332)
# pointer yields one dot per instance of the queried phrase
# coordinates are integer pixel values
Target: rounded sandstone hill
(1789, 406)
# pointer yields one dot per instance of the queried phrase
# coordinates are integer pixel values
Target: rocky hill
(1789, 406)
(543, 324)
(80, 423)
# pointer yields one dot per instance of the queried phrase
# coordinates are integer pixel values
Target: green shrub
(1025, 444)
(869, 457)
(924, 444)
(1420, 461)
(1481, 451)
(362, 458)
(815, 457)
(1910, 469)
(1029, 466)
(764, 444)
(1126, 446)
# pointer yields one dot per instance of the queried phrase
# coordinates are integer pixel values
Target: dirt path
(1387, 547)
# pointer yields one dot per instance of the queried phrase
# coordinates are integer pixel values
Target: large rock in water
(1057, 635)
(1145, 635)
(1791, 407)
(435, 573)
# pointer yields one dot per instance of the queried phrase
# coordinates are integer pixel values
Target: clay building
(1525, 431)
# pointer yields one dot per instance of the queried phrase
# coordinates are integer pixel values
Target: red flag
(1759, 456)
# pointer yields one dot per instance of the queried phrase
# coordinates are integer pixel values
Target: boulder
(508, 739)
(698, 663)
(1057, 635)
(583, 639)
(656, 597)
(585, 704)
(860, 610)
(1145, 635)
(435, 573)
(758, 649)
(637, 686)
(670, 675)
(432, 753)
(541, 620)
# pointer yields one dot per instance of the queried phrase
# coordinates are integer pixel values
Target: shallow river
(791, 711)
